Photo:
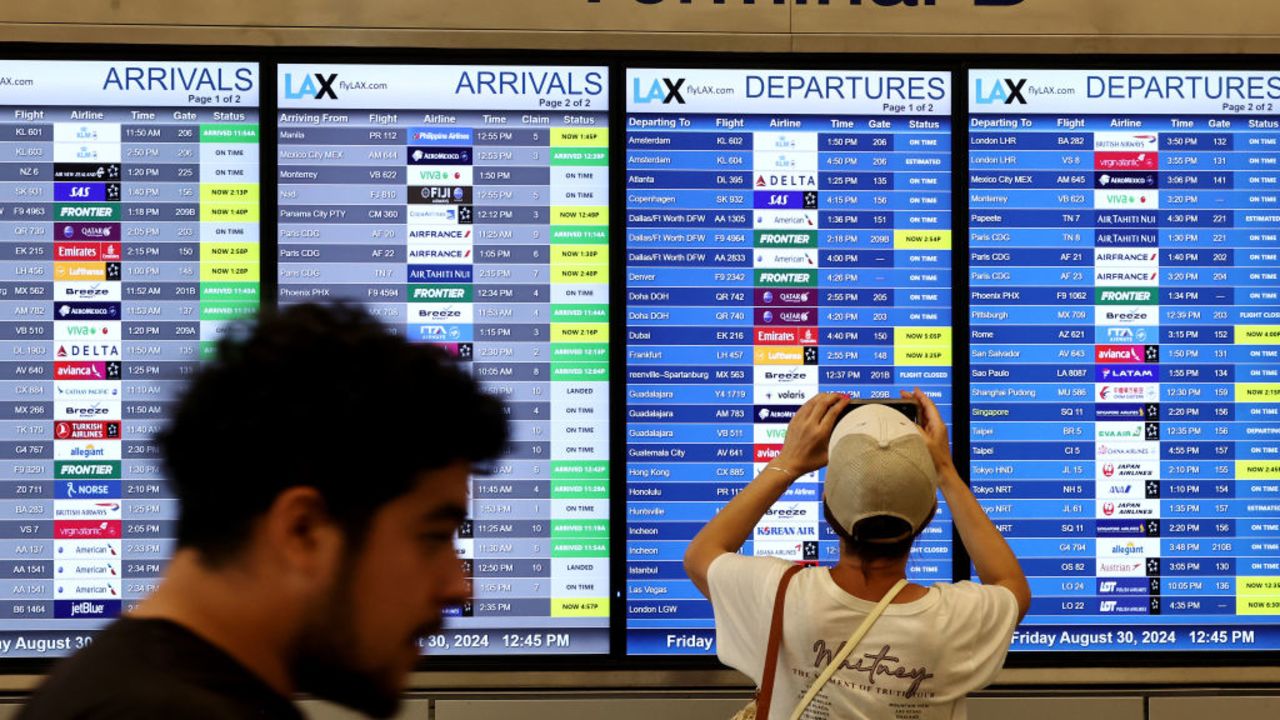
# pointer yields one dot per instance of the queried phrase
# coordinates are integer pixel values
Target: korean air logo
(666, 91)
(315, 86)
(1005, 91)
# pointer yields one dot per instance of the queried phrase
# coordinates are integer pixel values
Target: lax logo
(666, 90)
(1010, 91)
(309, 87)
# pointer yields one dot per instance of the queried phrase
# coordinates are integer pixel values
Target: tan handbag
(758, 708)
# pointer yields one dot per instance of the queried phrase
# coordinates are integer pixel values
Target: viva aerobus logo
(316, 86)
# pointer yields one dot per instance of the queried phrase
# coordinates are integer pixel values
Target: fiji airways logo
(1006, 91)
(315, 86)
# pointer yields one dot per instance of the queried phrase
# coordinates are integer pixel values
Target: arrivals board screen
(787, 233)
(1124, 321)
(129, 219)
(468, 207)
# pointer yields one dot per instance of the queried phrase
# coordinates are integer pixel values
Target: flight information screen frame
(1008, 66)
(233, 198)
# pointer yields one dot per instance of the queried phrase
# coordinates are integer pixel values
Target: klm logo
(1006, 91)
(665, 91)
(315, 86)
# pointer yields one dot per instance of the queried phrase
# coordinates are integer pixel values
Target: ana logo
(309, 87)
(666, 90)
(1120, 489)
(1006, 90)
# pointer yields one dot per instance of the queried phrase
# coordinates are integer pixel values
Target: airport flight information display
(128, 240)
(787, 233)
(468, 207)
(1124, 298)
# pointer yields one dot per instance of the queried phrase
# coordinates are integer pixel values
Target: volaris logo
(315, 86)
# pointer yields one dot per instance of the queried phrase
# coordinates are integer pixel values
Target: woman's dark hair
(882, 537)
(321, 396)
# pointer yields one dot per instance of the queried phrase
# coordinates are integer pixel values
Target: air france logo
(315, 86)
(666, 90)
(1006, 90)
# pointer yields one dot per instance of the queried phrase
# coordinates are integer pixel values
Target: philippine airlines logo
(315, 86)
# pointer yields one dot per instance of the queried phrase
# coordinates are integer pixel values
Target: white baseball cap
(879, 465)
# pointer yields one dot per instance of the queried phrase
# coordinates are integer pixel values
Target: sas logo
(1004, 91)
(666, 90)
(314, 86)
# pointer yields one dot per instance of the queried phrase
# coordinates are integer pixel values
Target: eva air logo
(1004, 91)
(315, 86)
(665, 91)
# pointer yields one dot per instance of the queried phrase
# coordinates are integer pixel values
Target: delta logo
(799, 181)
(99, 351)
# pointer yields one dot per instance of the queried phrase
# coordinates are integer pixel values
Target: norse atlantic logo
(1007, 90)
(315, 86)
(666, 90)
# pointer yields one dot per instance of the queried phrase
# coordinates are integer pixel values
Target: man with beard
(321, 464)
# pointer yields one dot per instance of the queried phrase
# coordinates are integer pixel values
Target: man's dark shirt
(154, 669)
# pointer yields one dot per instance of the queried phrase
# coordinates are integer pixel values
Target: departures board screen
(787, 233)
(467, 207)
(129, 211)
(1125, 367)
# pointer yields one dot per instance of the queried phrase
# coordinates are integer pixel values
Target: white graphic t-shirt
(918, 662)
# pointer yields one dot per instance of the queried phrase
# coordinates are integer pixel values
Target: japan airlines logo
(666, 90)
(1108, 470)
(1007, 90)
(309, 87)
(1108, 509)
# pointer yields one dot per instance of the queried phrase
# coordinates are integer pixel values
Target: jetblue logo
(315, 86)
(1006, 91)
(666, 91)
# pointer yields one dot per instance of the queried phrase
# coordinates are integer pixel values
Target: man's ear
(300, 536)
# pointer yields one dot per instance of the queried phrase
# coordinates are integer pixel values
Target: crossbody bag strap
(765, 696)
(840, 657)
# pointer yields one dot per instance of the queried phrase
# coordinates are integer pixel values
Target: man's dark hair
(881, 537)
(321, 396)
